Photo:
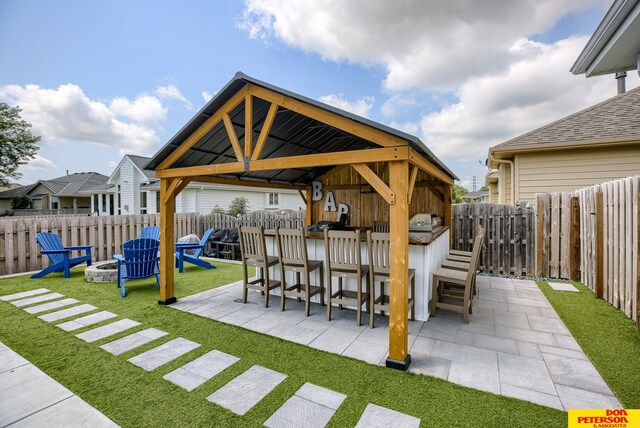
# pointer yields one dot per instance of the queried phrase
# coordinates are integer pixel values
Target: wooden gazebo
(252, 133)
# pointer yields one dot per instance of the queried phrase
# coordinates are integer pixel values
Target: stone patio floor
(515, 344)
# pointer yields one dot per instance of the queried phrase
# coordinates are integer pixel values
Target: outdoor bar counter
(426, 252)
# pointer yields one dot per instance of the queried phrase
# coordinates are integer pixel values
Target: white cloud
(40, 163)
(532, 92)
(362, 106)
(66, 114)
(111, 165)
(206, 96)
(171, 92)
(144, 109)
(408, 127)
(421, 43)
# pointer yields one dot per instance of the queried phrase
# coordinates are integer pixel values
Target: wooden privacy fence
(19, 251)
(558, 235)
(288, 219)
(610, 214)
(508, 247)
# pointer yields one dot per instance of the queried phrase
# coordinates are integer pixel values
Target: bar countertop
(422, 238)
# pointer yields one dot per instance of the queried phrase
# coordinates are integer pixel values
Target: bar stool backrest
(378, 247)
(292, 247)
(475, 259)
(381, 227)
(343, 250)
(252, 243)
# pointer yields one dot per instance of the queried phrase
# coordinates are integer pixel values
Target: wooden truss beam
(248, 125)
(233, 137)
(375, 182)
(246, 183)
(412, 183)
(304, 161)
(203, 129)
(427, 166)
(345, 124)
(172, 185)
(264, 132)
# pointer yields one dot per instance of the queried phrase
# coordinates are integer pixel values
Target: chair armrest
(118, 257)
(79, 247)
(65, 250)
(189, 246)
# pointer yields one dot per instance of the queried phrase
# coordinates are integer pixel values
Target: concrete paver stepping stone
(72, 412)
(311, 406)
(107, 330)
(162, 354)
(66, 313)
(195, 373)
(563, 286)
(86, 321)
(51, 305)
(37, 299)
(377, 416)
(133, 341)
(28, 398)
(246, 390)
(24, 294)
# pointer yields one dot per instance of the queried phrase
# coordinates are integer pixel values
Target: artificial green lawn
(606, 335)
(133, 397)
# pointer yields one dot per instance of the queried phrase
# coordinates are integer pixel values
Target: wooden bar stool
(292, 253)
(344, 260)
(253, 252)
(378, 247)
(458, 296)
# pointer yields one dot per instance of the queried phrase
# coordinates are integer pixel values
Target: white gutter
(513, 174)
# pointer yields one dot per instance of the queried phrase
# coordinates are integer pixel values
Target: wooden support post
(574, 239)
(599, 245)
(167, 242)
(309, 208)
(399, 357)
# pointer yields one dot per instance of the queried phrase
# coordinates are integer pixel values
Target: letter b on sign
(316, 188)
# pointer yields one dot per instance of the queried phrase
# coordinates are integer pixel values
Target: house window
(55, 203)
(95, 204)
(272, 199)
(143, 202)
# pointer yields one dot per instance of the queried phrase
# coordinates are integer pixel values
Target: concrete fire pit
(106, 271)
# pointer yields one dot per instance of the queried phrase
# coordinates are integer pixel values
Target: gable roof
(67, 185)
(615, 44)
(291, 134)
(141, 162)
(616, 120)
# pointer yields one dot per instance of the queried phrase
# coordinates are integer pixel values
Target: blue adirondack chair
(182, 257)
(59, 255)
(139, 261)
(151, 232)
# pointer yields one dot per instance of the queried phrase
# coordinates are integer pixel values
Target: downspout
(513, 174)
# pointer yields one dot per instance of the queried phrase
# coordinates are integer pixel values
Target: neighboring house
(132, 189)
(59, 193)
(476, 196)
(598, 144)
(491, 181)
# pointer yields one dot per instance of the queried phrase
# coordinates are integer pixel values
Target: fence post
(599, 245)
(574, 239)
(539, 235)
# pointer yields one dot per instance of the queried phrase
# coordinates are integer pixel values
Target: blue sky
(100, 79)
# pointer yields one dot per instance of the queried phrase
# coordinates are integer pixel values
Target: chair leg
(307, 302)
(265, 286)
(322, 286)
(359, 303)
(340, 290)
(298, 282)
(283, 286)
(67, 266)
(434, 294)
(372, 297)
(123, 293)
(158, 279)
(381, 295)
(328, 298)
